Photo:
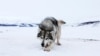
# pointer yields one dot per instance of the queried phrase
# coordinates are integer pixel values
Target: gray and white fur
(49, 32)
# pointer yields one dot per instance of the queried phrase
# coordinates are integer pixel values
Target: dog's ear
(39, 34)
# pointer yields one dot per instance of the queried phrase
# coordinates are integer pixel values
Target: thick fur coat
(49, 32)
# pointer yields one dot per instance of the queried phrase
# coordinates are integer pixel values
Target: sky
(43, 8)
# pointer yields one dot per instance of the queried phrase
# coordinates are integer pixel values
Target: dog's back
(47, 23)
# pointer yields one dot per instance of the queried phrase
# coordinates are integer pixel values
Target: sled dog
(49, 32)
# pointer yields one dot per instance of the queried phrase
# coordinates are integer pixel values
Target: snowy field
(21, 39)
(76, 41)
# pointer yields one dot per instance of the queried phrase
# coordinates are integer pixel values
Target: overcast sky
(43, 8)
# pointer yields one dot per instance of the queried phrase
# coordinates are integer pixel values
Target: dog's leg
(58, 36)
(60, 22)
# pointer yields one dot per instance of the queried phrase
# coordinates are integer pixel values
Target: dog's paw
(59, 44)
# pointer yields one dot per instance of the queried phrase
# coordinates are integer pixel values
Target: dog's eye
(46, 38)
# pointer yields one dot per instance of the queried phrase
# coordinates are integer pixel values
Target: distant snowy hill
(95, 23)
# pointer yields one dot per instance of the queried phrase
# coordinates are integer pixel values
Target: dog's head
(46, 37)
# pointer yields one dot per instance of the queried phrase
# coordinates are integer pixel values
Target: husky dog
(49, 31)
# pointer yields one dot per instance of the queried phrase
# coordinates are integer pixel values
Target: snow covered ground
(76, 41)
